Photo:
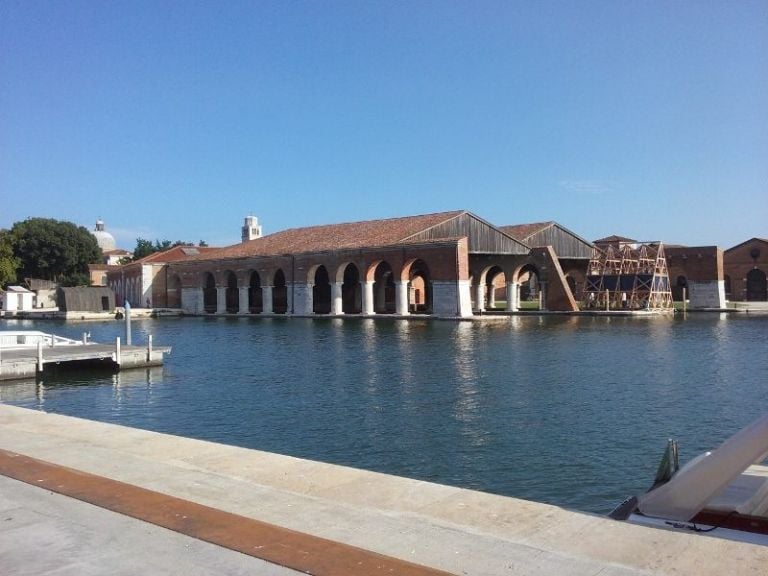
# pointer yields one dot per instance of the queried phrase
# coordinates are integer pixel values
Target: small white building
(18, 299)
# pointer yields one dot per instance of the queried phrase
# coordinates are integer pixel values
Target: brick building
(443, 264)
(746, 265)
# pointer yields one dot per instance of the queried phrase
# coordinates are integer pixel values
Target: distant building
(746, 265)
(17, 299)
(446, 264)
(112, 256)
(105, 239)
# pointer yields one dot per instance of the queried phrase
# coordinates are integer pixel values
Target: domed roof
(105, 239)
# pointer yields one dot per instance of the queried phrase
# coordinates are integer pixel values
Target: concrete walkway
(402, 520)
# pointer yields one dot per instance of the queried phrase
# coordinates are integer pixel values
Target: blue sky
(175, 120)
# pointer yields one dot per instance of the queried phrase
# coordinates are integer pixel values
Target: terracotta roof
(330, 237)
(175, 254)
(523, 231)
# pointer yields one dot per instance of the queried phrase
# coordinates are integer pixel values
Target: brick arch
(420, 295)
(381, 275)
(342, 267)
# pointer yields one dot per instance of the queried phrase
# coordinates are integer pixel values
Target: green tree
(145, 247)
(54, 250)
(8, 261)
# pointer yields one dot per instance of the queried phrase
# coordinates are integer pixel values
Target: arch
(383, 278)
(173, 291)
(681, 284)
(529, 278)
(209, 293)
(232, 294)
(757, 287)
(279, 293)
(321, 290)
(255, 301)
(351, 295)
(496, 287)
(416, 273)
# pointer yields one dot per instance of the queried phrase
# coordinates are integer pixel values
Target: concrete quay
(126, 486)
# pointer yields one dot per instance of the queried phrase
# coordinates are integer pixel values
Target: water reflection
(586, 403)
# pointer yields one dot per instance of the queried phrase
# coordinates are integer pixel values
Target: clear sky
(175, 120)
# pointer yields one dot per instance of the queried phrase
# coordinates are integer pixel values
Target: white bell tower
(251, 229)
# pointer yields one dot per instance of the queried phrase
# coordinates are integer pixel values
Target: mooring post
(39, 355)
(117, 351)
(127, 323)
(149, 349)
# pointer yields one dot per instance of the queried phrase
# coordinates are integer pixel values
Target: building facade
(445, 264)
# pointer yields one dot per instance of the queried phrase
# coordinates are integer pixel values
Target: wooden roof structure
(482, 236)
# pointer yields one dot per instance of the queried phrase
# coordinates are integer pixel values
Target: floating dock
(31, 354)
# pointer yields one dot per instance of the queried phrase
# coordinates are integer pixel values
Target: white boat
(721, 493)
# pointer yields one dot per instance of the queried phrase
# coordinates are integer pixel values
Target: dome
(105, 239)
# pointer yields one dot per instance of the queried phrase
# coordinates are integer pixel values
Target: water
(570, 411)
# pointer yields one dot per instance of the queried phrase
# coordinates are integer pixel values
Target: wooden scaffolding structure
(628, 276)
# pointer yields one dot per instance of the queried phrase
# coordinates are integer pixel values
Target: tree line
(59, 251)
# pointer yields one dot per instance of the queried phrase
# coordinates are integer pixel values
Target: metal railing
(30, 338)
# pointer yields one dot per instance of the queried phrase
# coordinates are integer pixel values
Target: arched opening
(383, 289)
(279, 293)
(420, 288)
(173, 292)
(321, 291)
(209, 293)
(351, 296)
(495, 288)
(255, 303)
(757, 289)
(232, 294)
(530, 288)
(679, 290)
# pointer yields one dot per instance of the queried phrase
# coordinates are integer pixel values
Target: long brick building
(444, 264)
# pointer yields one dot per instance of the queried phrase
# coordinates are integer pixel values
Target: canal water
(574, 411)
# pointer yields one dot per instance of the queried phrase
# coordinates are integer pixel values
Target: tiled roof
(176, 253)
(330, 237)
(523, 231)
